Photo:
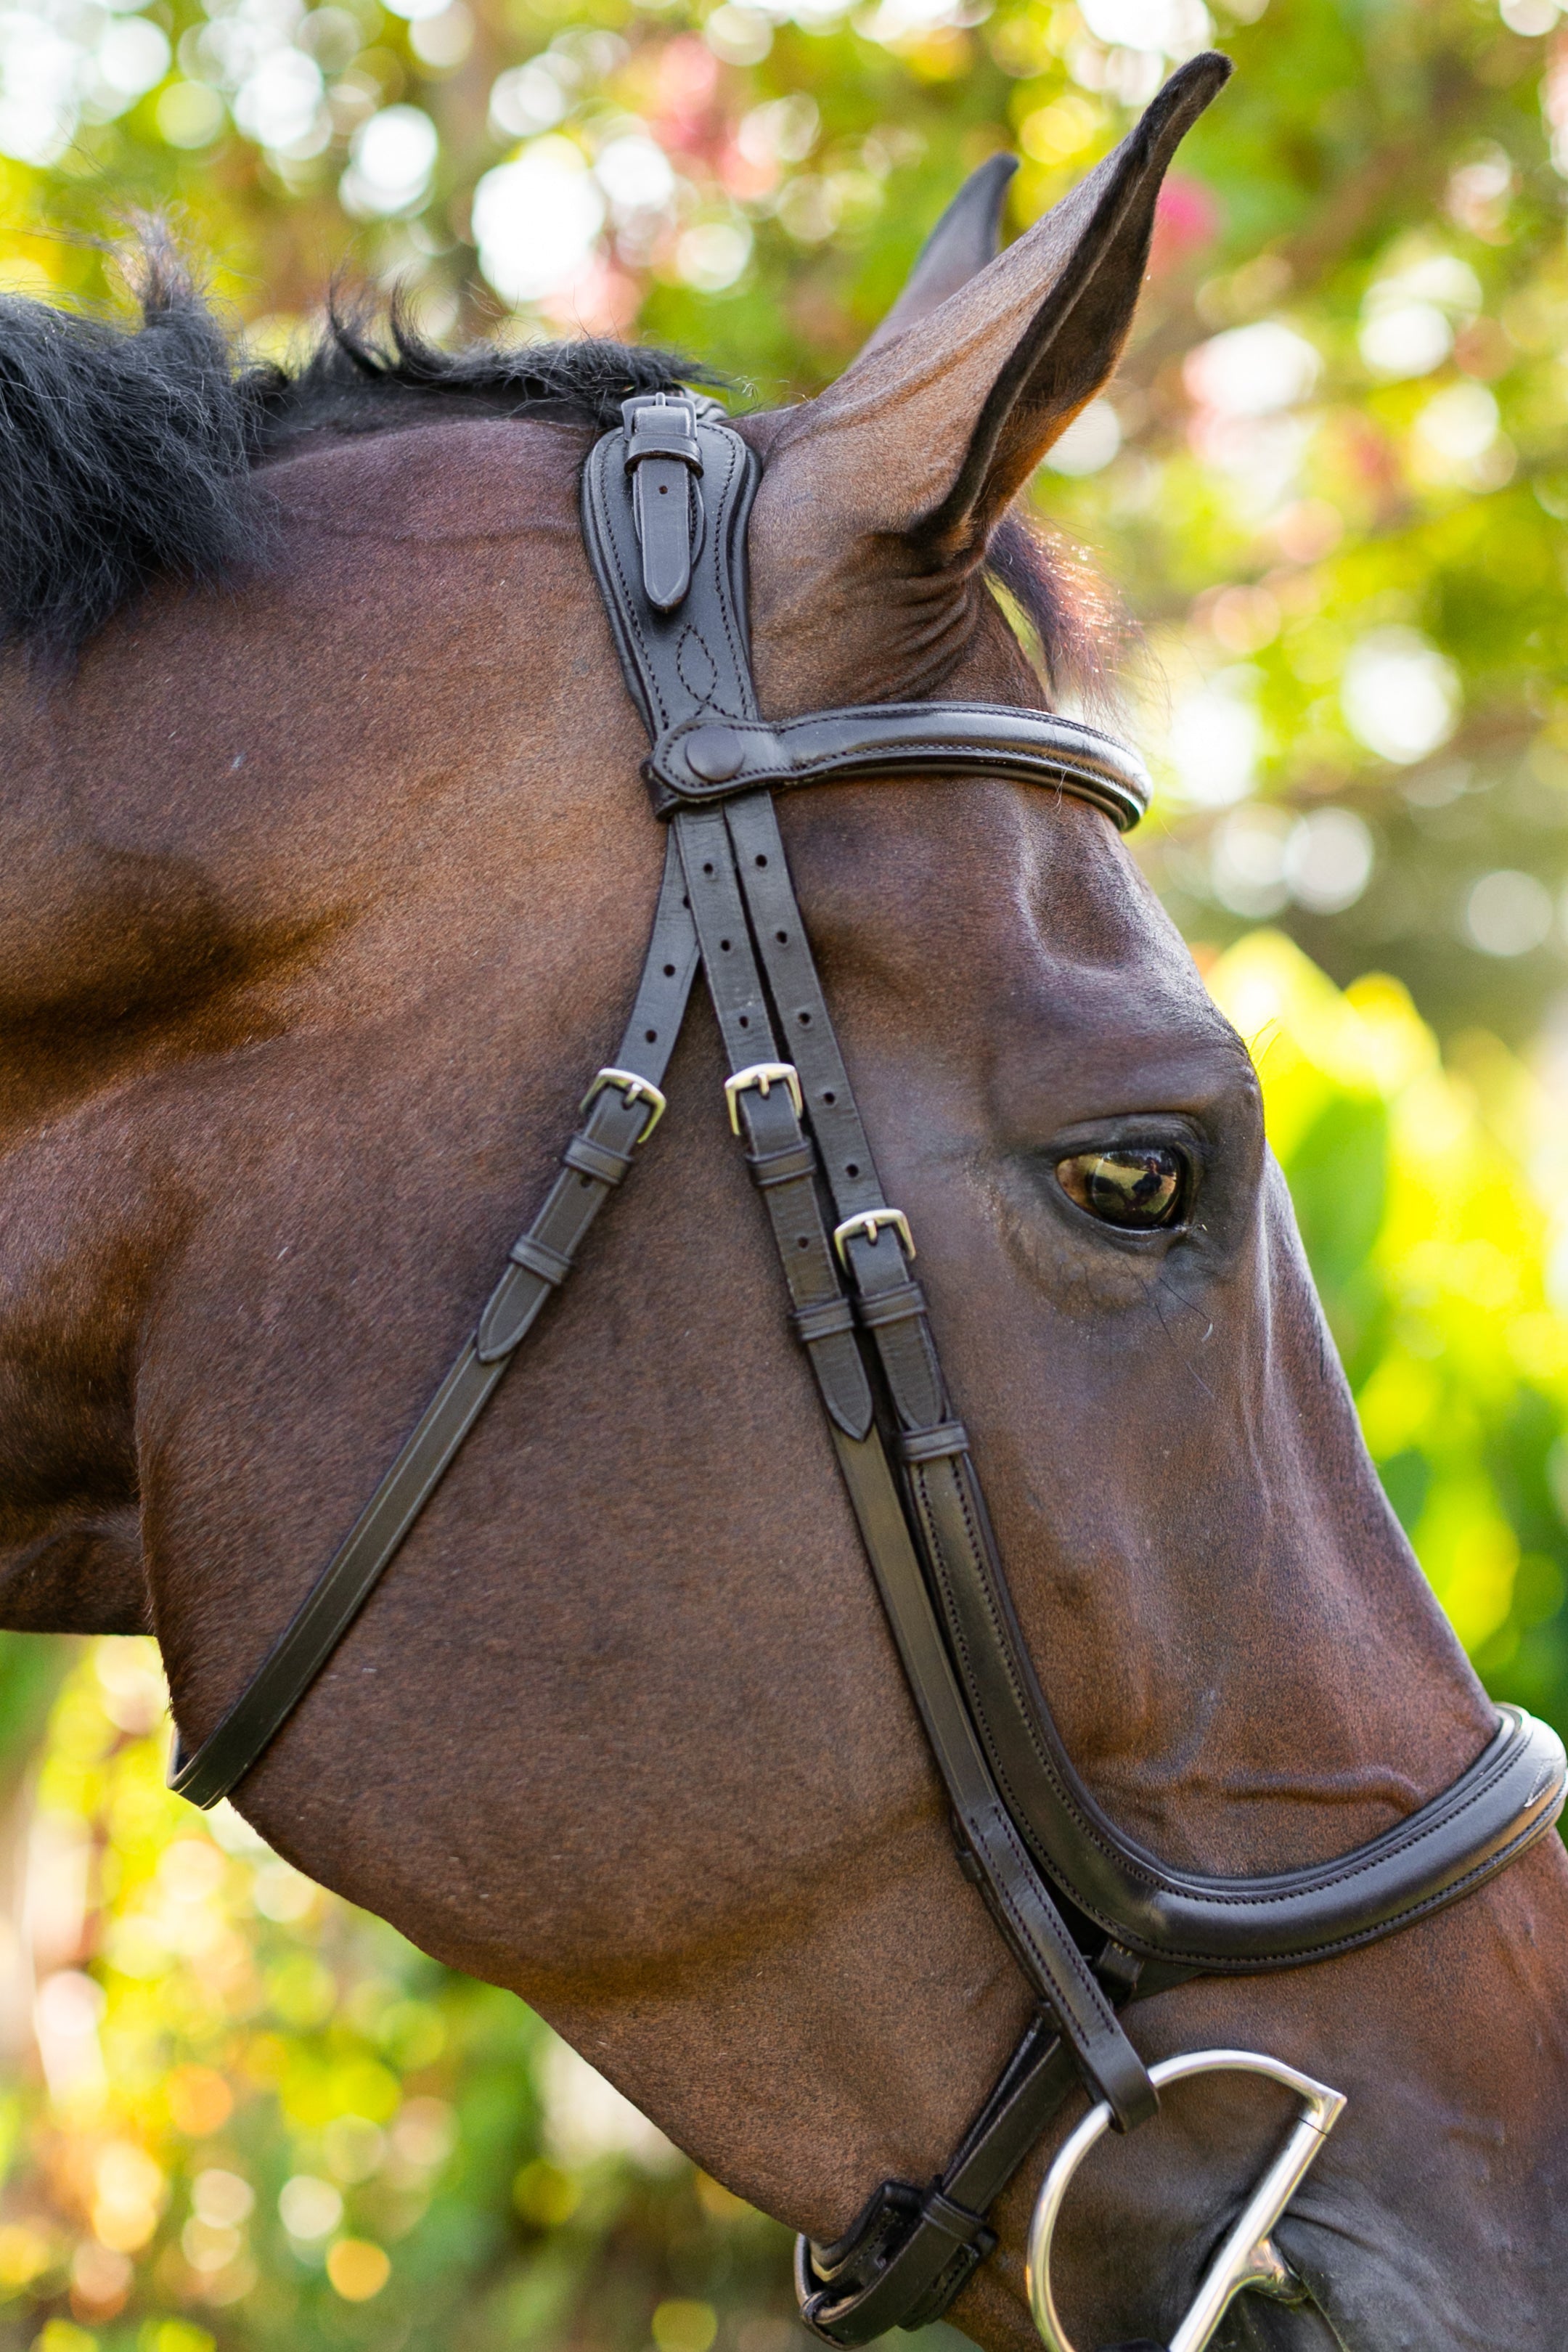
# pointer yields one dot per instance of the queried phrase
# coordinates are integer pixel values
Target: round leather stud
(715, 753)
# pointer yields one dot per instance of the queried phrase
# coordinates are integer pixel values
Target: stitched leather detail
(691, 666)
(888, 738)
(596, 1159)
(769, 1123)
(932, 1444)
(965, 2262)
(562, 1224)
(993, 1739)
(669, 556)
(897, 2265)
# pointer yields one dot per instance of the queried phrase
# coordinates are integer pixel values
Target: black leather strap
(766, 1118)
(908, 2251)
(662, 456)
(691, 664)
(1019, 1900)
(702, 760)
(689, 669)
(766, 1113)
(597, 1159)
(1510, 1795)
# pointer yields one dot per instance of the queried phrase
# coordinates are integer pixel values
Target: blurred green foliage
(1329, 481)
(1420, 1190)
(253, 2116)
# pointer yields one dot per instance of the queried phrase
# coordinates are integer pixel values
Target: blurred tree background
(1330, 483)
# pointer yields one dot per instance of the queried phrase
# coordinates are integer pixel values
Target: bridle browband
(1094, 1920)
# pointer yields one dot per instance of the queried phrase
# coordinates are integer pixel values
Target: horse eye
(1137, 1189)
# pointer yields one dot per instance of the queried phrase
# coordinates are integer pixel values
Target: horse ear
(928, 435)
(965, 238)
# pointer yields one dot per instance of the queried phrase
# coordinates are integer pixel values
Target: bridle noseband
(1094, 1920)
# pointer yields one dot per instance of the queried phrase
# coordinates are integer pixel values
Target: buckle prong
(635, 1089)
(870, 1223)
(1249, 2257)
(763, 1076)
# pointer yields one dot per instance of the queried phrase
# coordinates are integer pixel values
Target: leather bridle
(1095, 1921)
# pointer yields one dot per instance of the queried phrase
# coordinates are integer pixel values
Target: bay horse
(327, 869)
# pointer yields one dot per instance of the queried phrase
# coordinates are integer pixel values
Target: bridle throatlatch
(1094, 1921)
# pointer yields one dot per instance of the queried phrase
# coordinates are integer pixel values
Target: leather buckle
(664, 460)
(635, 1089)
(664, 426)
(869, 1225)
(763, 1076)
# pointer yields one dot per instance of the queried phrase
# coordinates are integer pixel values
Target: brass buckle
(635, 1089)
(870, 1223)
(763, 1076)
(1249, 2257)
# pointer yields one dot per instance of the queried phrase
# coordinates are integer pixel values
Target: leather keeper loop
(548, 1263)
(900, 1305)
(959, 2223)
(933, 1444)
(822, 1320)
(663, 433)
(600, 1160)
(769, 1168)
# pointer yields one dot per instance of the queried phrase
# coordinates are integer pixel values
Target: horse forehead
(407, 600)
(921, 878)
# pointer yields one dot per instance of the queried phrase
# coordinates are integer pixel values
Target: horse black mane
(128, 456)
(131, 456)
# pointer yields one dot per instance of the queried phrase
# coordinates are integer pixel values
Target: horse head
(325, 887)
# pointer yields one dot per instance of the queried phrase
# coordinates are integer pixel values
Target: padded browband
(1024, 1821)
(705, 760)
(687, 661)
